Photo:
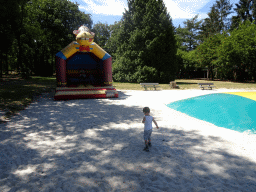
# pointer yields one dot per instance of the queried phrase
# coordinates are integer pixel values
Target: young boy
(147, 120)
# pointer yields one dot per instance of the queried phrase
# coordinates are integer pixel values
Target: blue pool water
(223, 110)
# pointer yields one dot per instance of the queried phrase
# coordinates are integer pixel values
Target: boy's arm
(144, 119)
(155, 123)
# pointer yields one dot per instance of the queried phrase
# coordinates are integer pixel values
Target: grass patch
(193, 84)
(127, 86)
(17, 93)
(189, 84)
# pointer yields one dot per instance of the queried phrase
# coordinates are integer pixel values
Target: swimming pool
(232, 110)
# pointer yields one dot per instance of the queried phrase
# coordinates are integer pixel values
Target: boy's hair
(146, 110)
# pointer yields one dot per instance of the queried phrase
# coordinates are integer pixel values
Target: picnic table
(206, 85)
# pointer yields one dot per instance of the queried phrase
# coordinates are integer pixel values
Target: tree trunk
(234, 76)
(1, 65)
(6, 64)
(212, 73)
(53, 64)
(18, 36)
(19, 59)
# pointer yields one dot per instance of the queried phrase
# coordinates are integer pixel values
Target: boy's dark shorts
(147, 134)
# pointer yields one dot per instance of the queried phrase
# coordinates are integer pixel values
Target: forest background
(144, 45)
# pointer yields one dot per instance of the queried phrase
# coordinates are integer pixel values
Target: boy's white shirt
(148, 122)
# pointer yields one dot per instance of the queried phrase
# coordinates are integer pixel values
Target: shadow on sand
(83, 145)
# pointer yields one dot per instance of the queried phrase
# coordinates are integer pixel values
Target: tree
(147, 49)
(113, 42)
(13, 13)
(252, 6)
(246, 10)
(208, 54)
(102, 34)
(188, 62)
(35, 30)
(188, 35)
(238, 52)
(216, 23)
(57, 20)
(211, 25)
(42, 29)
(223, 7)
(187, 41)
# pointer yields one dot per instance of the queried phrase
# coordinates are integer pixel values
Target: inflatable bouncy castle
(83, 69)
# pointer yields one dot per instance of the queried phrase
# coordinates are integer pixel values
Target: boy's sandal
(146, 149)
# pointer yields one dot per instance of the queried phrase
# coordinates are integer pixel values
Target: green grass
(193, 84)
(189, 84)
(17, 93)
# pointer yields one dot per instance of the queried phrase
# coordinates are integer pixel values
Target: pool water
(228, 110)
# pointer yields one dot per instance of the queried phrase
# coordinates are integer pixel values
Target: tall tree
(238, 52)
(8, 15)
(113, 42)
(217, 21)
(211, 25)
(49, 28)
(252, 6)
(148, 47)
(13, 13)
(246, 10)
(189, 34)
(208, 53)
(224, 8)
(102, 34)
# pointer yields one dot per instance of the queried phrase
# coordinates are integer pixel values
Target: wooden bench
(147, 85)
(206, 85)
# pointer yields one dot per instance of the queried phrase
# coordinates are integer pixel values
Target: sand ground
(97, 145)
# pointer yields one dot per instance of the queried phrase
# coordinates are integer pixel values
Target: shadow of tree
(185, 83)
(96, 145)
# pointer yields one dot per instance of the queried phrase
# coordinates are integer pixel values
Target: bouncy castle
(83, 69)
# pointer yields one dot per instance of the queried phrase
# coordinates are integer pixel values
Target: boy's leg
(149, 138)
(146, 146)
(146, 137)
(146, 140)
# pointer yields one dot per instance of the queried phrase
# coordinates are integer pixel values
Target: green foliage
(113, 42)
(213, 34)
(208, 54)
(188, 62)
(143, 45)
(146, 44)
(50, 25)
(189, 34)
(244, 12)
(37, 30)
(207, 51)
(224, 9)
(230, 56)
(146, 74)
(102, 34)
(239, 52)
(189, 38)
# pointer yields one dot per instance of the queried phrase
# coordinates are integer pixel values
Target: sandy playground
(97, 145)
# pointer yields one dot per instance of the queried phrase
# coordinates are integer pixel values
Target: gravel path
(97, 145)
